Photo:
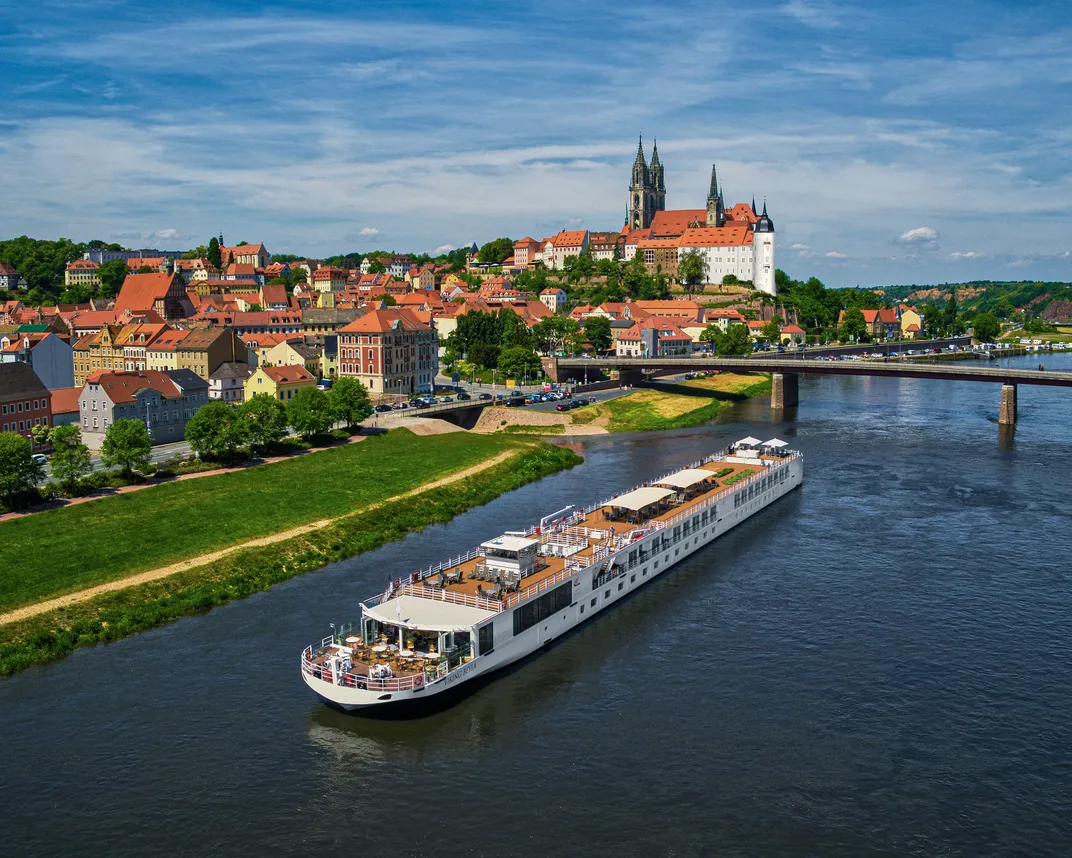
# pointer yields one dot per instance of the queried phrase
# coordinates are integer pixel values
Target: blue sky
(895, 143)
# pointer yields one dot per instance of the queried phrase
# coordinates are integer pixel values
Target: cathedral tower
(716, 206)
(647, 191)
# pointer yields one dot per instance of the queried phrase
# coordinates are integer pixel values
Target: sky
(894, 143)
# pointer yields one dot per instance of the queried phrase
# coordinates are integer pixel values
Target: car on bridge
(463, 396)
(484, 396)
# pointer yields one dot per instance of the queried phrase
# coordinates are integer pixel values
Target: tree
(736, 341)
(987, 327)
(949, 316)
(19, 473)
(309, 412)
(496, 250)
(40, 434)
(692, 269)
(597, 329)
(213, 254)
(853, 325)
(710, 334)
(349, 400)
(144, 269)
(518, 361)
(127, 445)
(70, 458)
(112, 274)
(551, 333)
(376, 267)
(266, 420)
(772, 331)
(216, 430)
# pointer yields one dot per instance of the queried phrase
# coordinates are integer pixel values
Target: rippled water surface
(878, 664)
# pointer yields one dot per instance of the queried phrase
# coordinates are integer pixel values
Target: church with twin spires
(738, 240)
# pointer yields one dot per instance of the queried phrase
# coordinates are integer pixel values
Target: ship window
(543, 607)
(621, 584)
(606, 595)
(593, 603)
(632, 579)
(486, 638)
(644, 571)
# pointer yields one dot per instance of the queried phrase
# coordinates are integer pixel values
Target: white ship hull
(594, 589)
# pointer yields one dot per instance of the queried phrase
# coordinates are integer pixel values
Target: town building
(567, 243)
(65, 406)
(82, 272)
(164, 294)
(647, 189)
(653, 337)
(9, 277)
(48, 356)
(279, 382)
(293, 353)
(553, 298)
(203, 350)
(256, 255)
(228, 382)
(25, 402)
(164, 401)
(390, 351)
(107, 348)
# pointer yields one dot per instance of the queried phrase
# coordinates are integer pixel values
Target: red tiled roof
(121, 386)
(82, 265)
(791, 329)
(293, 374)
(65, 400)
(572, 238)
(381, 321)
(141, 291)
(676, 221)
(732, 234)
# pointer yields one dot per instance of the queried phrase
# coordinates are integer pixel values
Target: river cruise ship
(435, 631)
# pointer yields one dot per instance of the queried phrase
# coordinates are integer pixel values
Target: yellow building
(911, 324)
(82, 272)
(279, 382)
(293, 353)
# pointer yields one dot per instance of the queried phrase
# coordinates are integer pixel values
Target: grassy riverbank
(131, 610)
(71, 548)
(674, 406)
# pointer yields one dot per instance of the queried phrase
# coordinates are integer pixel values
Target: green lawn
(69, 549)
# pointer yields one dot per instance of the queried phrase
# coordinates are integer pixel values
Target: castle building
(737, 241)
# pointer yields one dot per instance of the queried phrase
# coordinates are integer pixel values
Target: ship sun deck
(612, 523)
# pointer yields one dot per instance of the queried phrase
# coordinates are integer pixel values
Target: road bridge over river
(786, 372)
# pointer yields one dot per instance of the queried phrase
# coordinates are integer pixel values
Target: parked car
(39, 459)
(515, 402)
(383, 408)
(562, 406)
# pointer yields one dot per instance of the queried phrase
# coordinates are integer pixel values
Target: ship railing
(363, 681)
(468, 599)
(528, 592)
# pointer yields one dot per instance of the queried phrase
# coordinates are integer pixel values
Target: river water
(879, 664)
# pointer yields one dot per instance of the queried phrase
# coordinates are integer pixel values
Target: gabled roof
(732, 234)
(18, 381)
(675, 221)
(572, 238)
(141, 291)
(122, 387)
(293, 374)
(232, 369)
(65, 400)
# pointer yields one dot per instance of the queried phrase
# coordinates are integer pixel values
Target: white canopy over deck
(427, 615)
(748, 442)
(775, 443)
(687, 478)
(638, 499)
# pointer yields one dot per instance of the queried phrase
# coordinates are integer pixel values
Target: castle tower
(642, 195)
(716, 207)
(763, 254)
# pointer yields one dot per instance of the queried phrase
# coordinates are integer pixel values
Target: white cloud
(369, 232)
(443, 248)
(801, 249)
(815, 14)
(965, 254)
(833, 254)
(919, 235)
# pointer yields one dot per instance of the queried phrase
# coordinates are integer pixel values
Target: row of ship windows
(758, 487)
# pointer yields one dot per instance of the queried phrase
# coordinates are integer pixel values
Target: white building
(553, 299)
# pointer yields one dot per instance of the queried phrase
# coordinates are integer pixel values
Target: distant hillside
(1048, 301)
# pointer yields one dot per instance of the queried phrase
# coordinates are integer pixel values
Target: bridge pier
(1007, 415)
(784, 390)
(550, 367)
(630, 377)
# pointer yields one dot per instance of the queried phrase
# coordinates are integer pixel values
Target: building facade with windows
(25, 402)
(164, 401)
(390, 351)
